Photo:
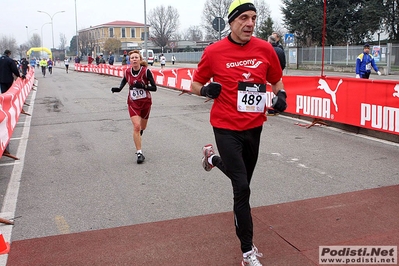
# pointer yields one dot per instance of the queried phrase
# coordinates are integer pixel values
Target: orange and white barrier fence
(370, 104)
(11, 104)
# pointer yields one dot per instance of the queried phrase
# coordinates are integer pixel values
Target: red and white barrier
(371, 104)
(11, 104)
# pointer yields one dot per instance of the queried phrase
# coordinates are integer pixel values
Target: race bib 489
(251, 97)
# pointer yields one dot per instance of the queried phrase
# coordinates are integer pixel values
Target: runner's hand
(116, 89)
(138, 85)
(279, 102)
(212, 90)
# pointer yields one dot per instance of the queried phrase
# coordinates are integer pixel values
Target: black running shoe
(140, 158)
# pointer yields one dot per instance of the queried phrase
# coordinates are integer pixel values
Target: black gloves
(115, 89)
(278, 102)
(139, 85)
(212, 90)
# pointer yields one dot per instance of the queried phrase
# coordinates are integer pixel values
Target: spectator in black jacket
(279, 50)
(7, 68)
(277, 37)
(281, 57)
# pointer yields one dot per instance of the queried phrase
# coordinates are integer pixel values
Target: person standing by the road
(364, 63)
(277, 37)
(240, 66)
(111, 59)
(101, 60)
(279, 50)
(7, 69)
(141, 83)
(274, 41)
(173, 59)
(162, 59)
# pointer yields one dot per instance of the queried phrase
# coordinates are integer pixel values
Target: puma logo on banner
(323, 85)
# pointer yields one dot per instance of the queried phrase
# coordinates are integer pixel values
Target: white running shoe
(252, 258)
(207, 151)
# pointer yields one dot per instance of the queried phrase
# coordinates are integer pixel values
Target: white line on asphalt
(8, 164)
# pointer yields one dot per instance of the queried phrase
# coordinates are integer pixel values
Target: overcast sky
(16, 15)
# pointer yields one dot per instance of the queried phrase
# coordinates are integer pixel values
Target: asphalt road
(77, 169)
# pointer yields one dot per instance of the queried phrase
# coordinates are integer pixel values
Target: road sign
(218, 24)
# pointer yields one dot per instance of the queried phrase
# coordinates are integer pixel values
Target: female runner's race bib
(137, 94)
(251, 97)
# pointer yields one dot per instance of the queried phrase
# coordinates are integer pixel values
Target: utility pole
(76, 30)
(145, 30)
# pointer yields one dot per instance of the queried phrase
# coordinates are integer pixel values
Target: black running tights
(239, 153)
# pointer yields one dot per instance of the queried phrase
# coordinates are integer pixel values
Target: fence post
(389, 54)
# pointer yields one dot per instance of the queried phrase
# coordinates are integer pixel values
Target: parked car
(149, 57)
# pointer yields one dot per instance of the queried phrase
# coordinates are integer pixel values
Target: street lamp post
(76, 31)
(28, 32)
(51, 17)
(145, 30)
(42, 34)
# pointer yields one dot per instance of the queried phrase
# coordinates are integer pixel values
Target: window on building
(143, 35)
(111, 32)
(132, 32)
(123, 33)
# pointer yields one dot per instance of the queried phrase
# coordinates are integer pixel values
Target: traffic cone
(4, 246)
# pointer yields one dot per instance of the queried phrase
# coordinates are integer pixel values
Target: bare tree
(213, 9)
(112, 45)
(87, 41)
(84, 43)
(164, 23)
(262, 14)
(193, 33)
(23, 49)
(63, 41)
(35, 40)
(9, 43)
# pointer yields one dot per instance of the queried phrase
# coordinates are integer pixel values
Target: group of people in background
(125, 59)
